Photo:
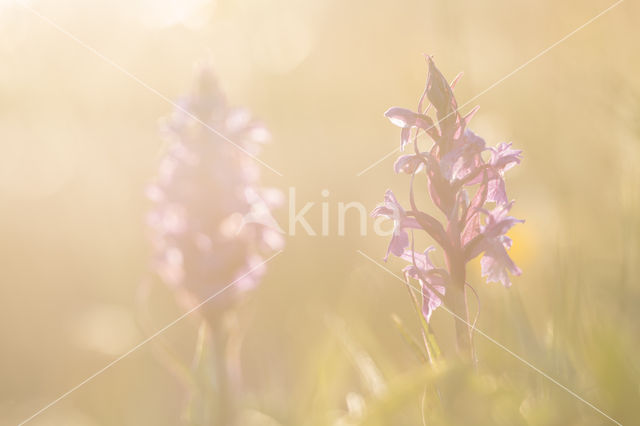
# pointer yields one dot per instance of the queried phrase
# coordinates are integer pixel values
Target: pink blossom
(464, 182)
(407, 119)
(393, 210)
(432, 281)
(201, 194)
(408, 164)
(463, 158)
(496, 262)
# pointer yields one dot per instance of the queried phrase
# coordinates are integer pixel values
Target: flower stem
(457, 301)
(459, 307)
(224, 406)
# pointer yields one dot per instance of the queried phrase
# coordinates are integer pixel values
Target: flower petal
(407, 164)
(503, 157)
(431, 300)
(399, 242)
(496, 263)
(401, 117)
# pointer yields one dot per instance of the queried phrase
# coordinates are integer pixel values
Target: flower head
(203, 189)
(465, 181)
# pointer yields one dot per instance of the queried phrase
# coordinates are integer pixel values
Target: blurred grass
(79, 141)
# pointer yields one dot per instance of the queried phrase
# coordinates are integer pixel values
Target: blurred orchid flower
(210, 220)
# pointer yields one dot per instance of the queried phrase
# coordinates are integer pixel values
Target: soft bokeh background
(79, 142)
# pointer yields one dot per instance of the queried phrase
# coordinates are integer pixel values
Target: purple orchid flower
(465, 181)
(203, 192)
(432, 280)
(503, 158)
(496, 262)
(393, 210)
(407, 120)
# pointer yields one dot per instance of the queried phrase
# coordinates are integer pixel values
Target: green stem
(224, 404)
(457, 300)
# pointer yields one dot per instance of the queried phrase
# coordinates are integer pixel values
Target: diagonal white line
(142, 83)
(492, 340)
(145, 341)
(496, 83)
